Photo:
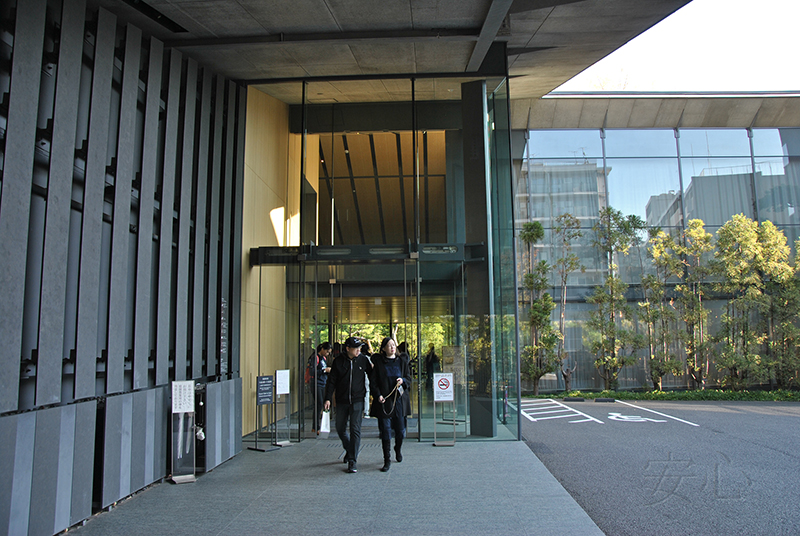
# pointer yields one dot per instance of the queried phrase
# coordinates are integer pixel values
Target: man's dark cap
(352, 342)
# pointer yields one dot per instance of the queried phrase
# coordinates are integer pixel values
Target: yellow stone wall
(270, 217)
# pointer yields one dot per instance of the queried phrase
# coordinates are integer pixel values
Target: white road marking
(657, 413)
(631, 418)
(548, 406)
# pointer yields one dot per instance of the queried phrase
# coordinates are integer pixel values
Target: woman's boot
(387, 455)
(398, 443)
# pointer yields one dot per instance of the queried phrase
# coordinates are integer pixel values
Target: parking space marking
(631, 418)
(553, 410)
(657, 413)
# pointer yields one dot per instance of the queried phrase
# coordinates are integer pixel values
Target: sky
(708, 45)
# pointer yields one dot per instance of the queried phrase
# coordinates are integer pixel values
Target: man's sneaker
(351, 467)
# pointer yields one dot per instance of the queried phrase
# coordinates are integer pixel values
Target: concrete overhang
(260, 43)
(619, 110)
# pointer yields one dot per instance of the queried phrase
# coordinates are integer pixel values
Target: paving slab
(474, 487)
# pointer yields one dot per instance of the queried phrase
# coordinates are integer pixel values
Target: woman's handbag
(325, 427)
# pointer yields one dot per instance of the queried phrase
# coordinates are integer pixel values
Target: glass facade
(403, 229)
(665, 177)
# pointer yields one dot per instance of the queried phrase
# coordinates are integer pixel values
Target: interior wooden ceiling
(370, 177)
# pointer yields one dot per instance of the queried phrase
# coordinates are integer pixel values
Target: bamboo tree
(749, 256)
(532, 232)
(659, 315)
(538, 358)
(778, 306)
(614, 235)
(785, 341)
(566, 231)
(693, 250)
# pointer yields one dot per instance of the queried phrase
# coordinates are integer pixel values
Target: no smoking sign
(443, 387)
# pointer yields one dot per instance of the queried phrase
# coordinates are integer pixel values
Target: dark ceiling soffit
(154, 14)
(491, 26)
(361, 253)
(393, 76)
(397, 36)
(517, 51)
(521, 6)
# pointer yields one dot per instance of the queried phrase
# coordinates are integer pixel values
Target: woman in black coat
(390, 381)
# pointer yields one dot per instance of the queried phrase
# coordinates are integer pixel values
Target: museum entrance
(420, 304)
(403, 225)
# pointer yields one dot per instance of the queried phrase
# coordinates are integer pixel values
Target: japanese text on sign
(264, 390)
(183, 397)
(443, 387)
(282, 382)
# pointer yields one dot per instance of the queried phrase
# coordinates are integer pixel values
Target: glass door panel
(504, 277)
(441, 336)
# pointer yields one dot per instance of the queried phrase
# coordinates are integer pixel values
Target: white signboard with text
(183, 397)
(443, 387)
(282, 382)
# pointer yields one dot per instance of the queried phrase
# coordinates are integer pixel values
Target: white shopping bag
(325, 427)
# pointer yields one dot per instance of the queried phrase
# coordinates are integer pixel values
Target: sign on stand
(443, 392)
(183, 455)
(265, 395)
(282, 387)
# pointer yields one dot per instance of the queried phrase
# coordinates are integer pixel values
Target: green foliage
(538, 357)
(780, 395)
(748, 264)
(783, 353)
(615, 341)
(754, 260)
(693, 250)
(566, 231)
(532, 232)
(658, 312)
(536, 362)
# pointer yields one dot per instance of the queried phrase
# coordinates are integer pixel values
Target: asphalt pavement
(672, 468)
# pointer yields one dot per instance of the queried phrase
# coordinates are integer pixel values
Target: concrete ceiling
(258, 41)
(653, 111)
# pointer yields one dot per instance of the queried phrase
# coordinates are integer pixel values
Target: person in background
(321, 371)
(366, 350)
(391, 379)
(403, 350)
(431, 366)
(347, 382)
(403, 353)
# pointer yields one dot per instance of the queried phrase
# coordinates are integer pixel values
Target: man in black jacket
(347, 380)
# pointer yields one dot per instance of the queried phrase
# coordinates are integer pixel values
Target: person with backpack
(317, 372)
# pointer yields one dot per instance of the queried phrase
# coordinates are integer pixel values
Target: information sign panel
(183, 397)
(282, 382)
(264, 390)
